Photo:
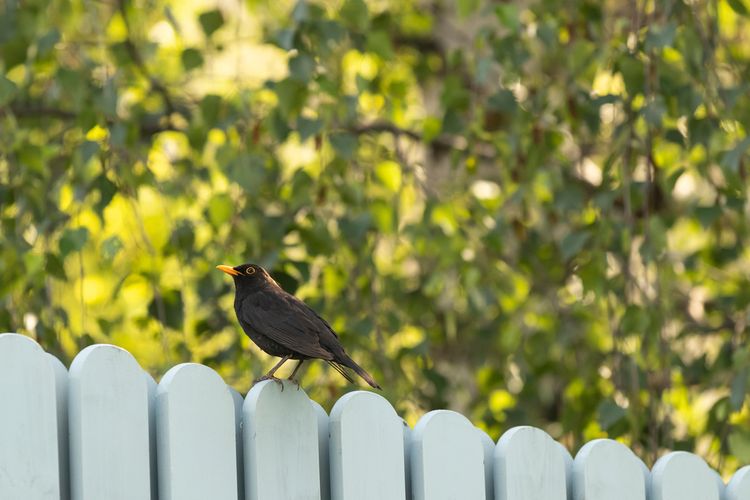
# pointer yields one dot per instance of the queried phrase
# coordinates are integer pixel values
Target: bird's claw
(294, 381)
(270, 377)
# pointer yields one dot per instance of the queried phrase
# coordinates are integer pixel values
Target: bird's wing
(287, 321)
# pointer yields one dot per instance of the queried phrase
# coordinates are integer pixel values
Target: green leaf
(707, 215)
(632, 73)
(739, 7)
(731, 159)
(344, 143)
(111, 247)
(659, 37)
(503, 100)
(739, 390)
(354, 228)
(355, 13)
(278, 126)
(572, 243)
(191, 58)
(634, 321)
(739, 444)
(85, 152)
(654, 111)
(210, 108)
(211, 21)
(46, 44)
(301, 67)
(609, 413)
(301, 11)
(292, 95)
(53, 266)
(285, 39)
(389, 175)
(307, 127)
(379, 42)
(7, 90)
(220, 209)
(167, 307)
(248, 171)
(73, 240)
(107, 190)
(382, 215)
(508, 16)
(182, 238)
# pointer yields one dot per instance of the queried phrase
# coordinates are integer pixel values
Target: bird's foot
(270, 377)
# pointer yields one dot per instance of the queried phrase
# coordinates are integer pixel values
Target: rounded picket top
(488, 446)
(280, 434)
(604, 469)
(323, 438)
(108, 415)
(195, 431)
(30, 451)
(529, 465)
(739, 486)
(447, 458)
(684, 476)
(366, 436)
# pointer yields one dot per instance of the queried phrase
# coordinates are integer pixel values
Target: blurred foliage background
(532, 212)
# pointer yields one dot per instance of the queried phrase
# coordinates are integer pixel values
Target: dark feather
(342, 371)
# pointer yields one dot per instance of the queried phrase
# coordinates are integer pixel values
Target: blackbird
(284, 326)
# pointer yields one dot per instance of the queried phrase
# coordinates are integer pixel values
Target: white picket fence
(105, 430)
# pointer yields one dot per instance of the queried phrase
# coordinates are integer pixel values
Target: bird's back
(270, 313)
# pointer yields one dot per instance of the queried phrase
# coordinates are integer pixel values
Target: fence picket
(238, 401)
(447, 459)
(104, 430)
(366, 436)
(280, 434)
(739, 486)
(29, 457)
(568, 459)
(683, 476)
(488, 446)
(108, 424)
(323, 438)
(604, 469)
(61, 398)
(529, 465)
(153, 466)
(195, 429)
(407, 461)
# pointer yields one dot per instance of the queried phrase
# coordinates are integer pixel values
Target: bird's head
(248, 276)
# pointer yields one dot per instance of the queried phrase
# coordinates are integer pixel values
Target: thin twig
(147, 128)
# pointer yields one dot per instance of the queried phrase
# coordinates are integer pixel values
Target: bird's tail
(349, 363)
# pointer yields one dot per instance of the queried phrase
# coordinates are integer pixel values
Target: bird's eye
(250, 270)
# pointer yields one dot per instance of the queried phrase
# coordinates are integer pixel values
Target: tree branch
(147, 129)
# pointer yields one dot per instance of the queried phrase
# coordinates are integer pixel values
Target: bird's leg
(270, 374)
(291, 377)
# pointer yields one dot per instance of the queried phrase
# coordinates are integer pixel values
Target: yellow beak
(228, 270)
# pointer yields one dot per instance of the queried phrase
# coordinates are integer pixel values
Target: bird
(282, 325)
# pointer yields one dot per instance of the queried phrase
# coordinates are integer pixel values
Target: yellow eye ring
(250, 270)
